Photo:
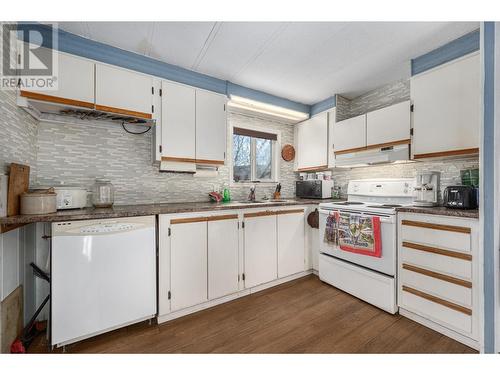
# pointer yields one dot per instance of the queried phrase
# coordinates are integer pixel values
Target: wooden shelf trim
(375, 146)
(310, 169)
(123, 111)
(223, 217)
(55, 99)
(285, 212)
(260, 213)
(192, 160)
(8, 227)
(438, 300)
(437, 275)
(437, 250)
(449, 228)
(465, 151)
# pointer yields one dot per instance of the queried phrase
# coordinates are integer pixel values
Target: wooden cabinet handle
(437, 275)
(437, 300)
(449, 228)
(437, 250)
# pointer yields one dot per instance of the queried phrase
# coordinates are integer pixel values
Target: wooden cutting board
(19, 179)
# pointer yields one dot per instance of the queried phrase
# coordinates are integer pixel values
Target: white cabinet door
(349, 134)
(178, 122)
(188, 264)
(75, 81)
(261, 258)
(388, 124)
(210, 127)
(447, 109)
(222, 255)
(291, 242)
(123, 91)
(312, 142)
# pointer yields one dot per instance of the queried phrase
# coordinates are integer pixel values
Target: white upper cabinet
(178, 121)
(349, 134)
(388, 125)
(312, 143)
(75, 81)
(211, 128)
(123, 91)
(446, 114)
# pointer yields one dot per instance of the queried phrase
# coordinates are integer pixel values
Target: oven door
(386, 264)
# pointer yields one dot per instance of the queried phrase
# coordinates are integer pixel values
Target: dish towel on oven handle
(359, 234)
(354, 233)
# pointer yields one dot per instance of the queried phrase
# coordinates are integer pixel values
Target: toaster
(460, 196)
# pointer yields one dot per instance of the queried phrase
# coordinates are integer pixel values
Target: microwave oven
(315, 189)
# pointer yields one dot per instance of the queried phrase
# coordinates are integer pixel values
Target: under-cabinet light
(239, 102)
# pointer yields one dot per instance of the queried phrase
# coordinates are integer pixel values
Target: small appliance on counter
(460, 196)
(70, 197)
(315, 189)
(426, 189)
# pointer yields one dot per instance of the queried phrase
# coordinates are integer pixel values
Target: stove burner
(386, 206)
(348, 203)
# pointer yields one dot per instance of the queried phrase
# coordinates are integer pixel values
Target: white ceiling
(301, 61)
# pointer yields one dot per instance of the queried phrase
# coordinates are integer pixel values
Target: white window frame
(276, 147)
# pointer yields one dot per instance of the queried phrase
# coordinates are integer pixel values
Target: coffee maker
(426, 189)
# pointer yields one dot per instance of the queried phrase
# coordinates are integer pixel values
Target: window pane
(263, 159)
(241, 158)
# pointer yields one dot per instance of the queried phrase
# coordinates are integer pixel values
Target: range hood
(40, 109)
(374, 156)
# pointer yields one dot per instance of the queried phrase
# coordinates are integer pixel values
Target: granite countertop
(148, 209)
(472, 214)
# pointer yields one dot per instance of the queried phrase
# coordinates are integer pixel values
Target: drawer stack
(437, 271)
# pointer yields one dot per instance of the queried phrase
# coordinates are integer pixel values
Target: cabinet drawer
(434, 309)
(447, 264)
(444, 286)
(451, 237)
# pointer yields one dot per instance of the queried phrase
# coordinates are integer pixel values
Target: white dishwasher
(103, 276)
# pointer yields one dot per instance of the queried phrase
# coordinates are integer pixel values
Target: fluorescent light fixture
(239, 102)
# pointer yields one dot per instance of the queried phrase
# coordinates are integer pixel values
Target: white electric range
(369, 278)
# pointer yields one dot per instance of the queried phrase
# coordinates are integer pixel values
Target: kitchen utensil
(19, 177)
(4, 183)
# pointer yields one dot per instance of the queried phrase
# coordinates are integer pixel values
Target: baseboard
(439, 328)
(242, 293)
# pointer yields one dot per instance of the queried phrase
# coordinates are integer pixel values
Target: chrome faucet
(251, 196)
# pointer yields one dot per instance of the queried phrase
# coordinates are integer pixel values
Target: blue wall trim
(488, 177)
(77, 45)
(324, 105)
(455, 49)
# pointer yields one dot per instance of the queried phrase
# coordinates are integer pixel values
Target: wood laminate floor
(301, 316)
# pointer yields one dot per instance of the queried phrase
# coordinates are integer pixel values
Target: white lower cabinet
(439, 274)
(188, 262)
(207, 258)
(223, 256)
(291, 239)
(261, 255)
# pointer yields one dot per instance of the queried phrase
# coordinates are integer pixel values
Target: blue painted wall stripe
(488, 181)
(324, 105)
(450, 51)
(77, 45)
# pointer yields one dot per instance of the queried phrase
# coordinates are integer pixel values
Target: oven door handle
(383, 218)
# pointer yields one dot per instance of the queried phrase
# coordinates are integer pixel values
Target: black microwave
(315, 189)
